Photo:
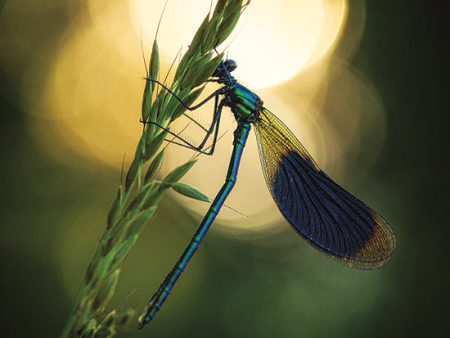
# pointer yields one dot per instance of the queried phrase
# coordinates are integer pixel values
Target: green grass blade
(190, 191)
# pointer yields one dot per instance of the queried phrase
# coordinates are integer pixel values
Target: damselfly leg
(213, 128)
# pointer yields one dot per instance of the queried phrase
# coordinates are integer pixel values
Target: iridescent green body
(243, 102)
(246, 107)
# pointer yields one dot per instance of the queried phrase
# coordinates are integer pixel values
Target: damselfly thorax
(244, 104)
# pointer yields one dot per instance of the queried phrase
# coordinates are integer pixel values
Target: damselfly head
(230, 65)
(224, 68)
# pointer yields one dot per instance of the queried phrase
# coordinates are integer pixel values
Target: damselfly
(323, 213)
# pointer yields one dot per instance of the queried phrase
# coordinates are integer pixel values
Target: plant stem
(136, 200)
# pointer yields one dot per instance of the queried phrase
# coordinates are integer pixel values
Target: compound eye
(230, 64)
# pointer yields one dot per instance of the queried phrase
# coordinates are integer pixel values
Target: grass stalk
(136, 200)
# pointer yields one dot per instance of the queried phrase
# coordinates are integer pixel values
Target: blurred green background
(268, 284)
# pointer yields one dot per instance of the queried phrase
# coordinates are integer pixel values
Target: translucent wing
(326, 215)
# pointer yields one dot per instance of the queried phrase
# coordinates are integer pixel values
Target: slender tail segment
(158, 299)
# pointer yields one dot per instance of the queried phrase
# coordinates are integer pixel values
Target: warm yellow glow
(277, 40)
(274, 41)
(91, 97)
(89, 104)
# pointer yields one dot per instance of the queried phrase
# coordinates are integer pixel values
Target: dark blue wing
(322, 212)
